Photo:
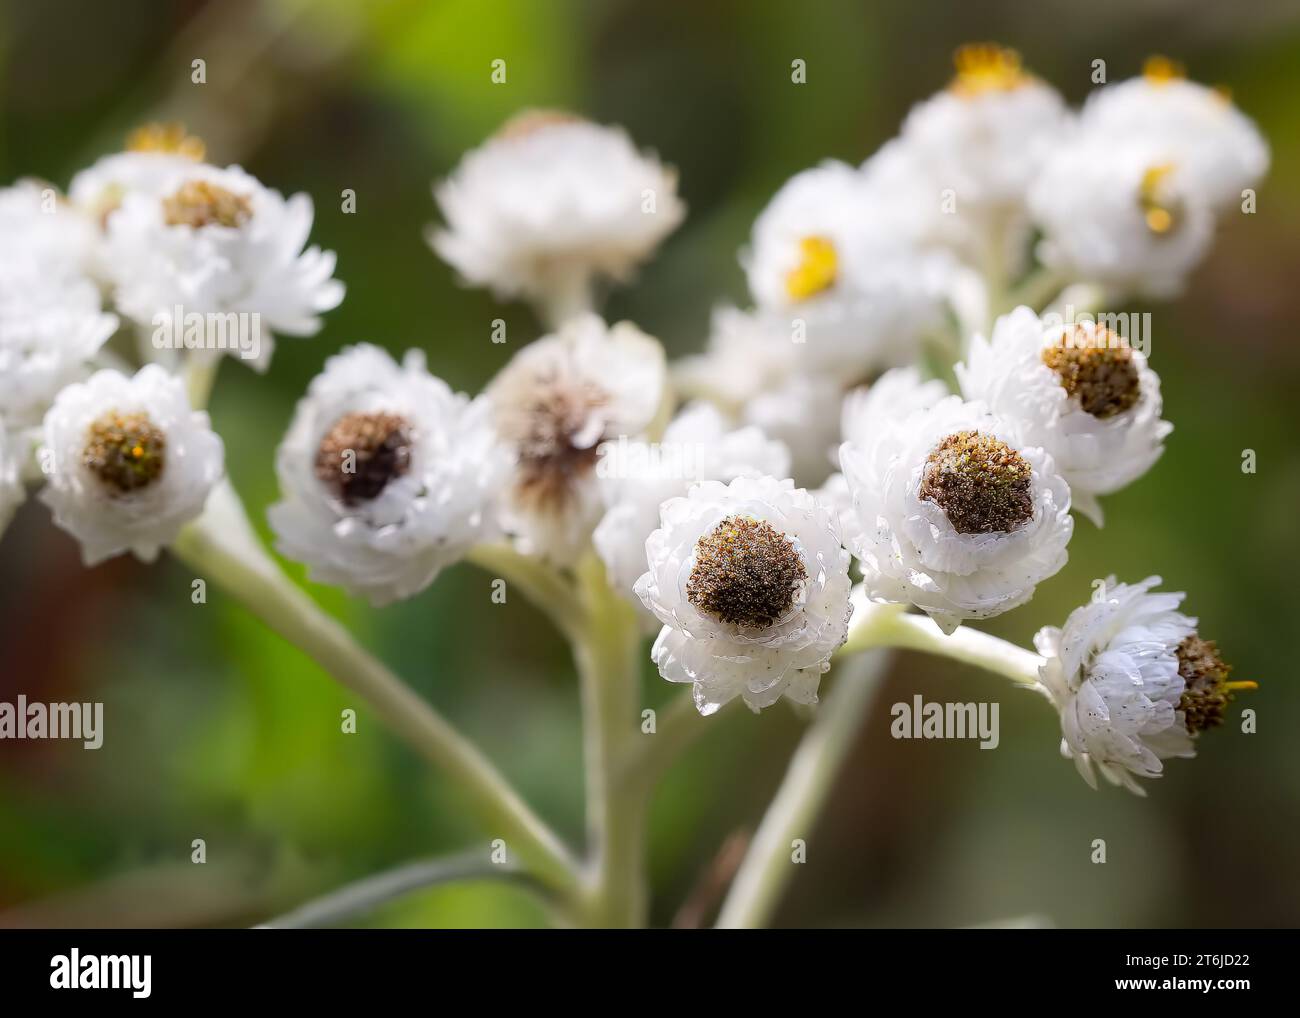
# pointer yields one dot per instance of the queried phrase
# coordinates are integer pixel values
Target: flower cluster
(704, 490)
(155, 233)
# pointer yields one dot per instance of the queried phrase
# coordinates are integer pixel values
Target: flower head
(51, 325)
(751, 584)
(1080, 391)
(128, 462)
(1199, 129)
(553, 405)
(985, 137)
(955, 513)
(1133, 681)
(637, 477)
(154, 155)
(37, 226)
(834, 263)
(387, 476)
(1120, 211)
(51, 318)
(215, 242)
(755, 371)
(551, 203)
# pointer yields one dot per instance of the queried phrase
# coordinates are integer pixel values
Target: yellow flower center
(169, 138)
(1097, 370)
(1161, 214)
(126, 451)
(816, 271)
(1160, 70)
(984, 67)
(200, 203)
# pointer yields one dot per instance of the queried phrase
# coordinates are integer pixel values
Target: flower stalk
(768, 865)
(222, 547)
(608, 656)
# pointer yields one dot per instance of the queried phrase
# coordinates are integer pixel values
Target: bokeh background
(217, 730)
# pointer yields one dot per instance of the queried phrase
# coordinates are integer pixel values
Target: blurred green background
(216, 730)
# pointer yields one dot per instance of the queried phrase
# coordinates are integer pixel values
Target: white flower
(1219, 149)
(12, 492)
(216, 242)
(51, 325)
(553, 405)
(1081, 392)
(752, 585)
(979, 144)
(830, 260)
(154, 155)
(1121, 213)
(51, 319)
(636, 478)
(893, 396)
(128, 462)
(955, 513)
(756, 373)
(1133, 681)
(551, 203)
(834, 493)
(37, 226)
(387, 476)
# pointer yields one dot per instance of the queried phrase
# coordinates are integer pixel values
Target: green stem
(889, 625)
(676, 727)
(222, 547)
(543, 586)
(200, 373)
(369, 893)
(1036, 290)
(768, 865)
(609, 665)
(569, 295)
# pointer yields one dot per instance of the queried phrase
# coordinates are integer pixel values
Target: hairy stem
(677, 726)
(222, 547)
(548, 591)
(369, 893)
(1036, 290)
(889, 625)
(768, 865)
(200, 373)
(608, 658)
(569, 295)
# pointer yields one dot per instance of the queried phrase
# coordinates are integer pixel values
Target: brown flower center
(746, 573)
(201, 203)
(362, 453)
(551, 433)
(1208, 690)
(126, 451)
(1098, 370)
(981, 484)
